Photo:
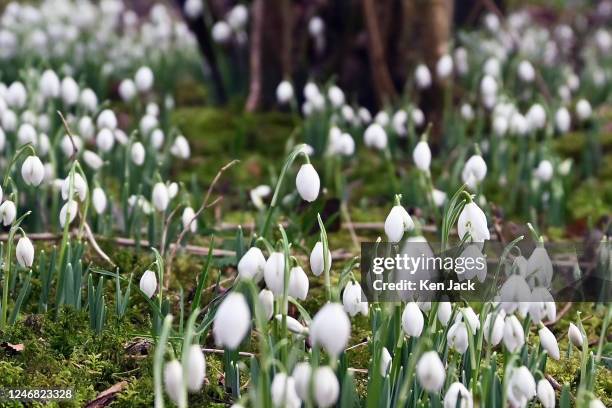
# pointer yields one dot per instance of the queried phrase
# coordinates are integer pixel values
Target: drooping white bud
(266, 297)
(317, 261)
(138, 154)
(49, 84)
(99, 200)
(458, 396)
(24, 252)
(180, 148)
(546, 394)
(105, 140)
(521, 387)
(274, 272)
(514, 336)
(583, 110)
(160, 197)
(107, 119)
(444, 66)
(526, 71)
(422, 76)
(232, 321)
(89, 100)
(375, 136)
(326, 387)
(307, 182)
(195, 368)
(473, 221)
(412, 320)
(549, 343)
(563, 120)
(32, 171)
(298, 283)
(573, 332)
(422, 156)
(79, 187)
(252, 264)
(544, 172)
(94, 161)
(352, 300)
(8, 212)
(221, 32)
(331, 328)
(127, 90)
(283, 391)
(148, 283)
(430, 371)
(284, 92)
(69, 91)
(144, 79)
(397, 222)
(173, 382)
(445, 309)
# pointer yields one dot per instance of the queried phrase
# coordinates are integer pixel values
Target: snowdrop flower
(98, 197)
(351, 300)
(331, 329)
(526, 72)
(24, 252)
(397, 222)
(375, 136)
(180, 148)
(105, 140)
(317, 259)
(514, 337)
(26, 134)
(445, 309)
(69, 91)
(326, 387)
(2, 139)
(514, 292)
(302, 373)
(336, 96)
(284, 92)
(474, 171)
(488, 86)
(385, 362)
(138, 154)
(148, 283)
(583, 110)
(16, 95)
(521, 387)
(430, 371)
(519, 124)
(473, 221)
(8, 212)
(412, 320)
(266, 298)
(144, 79)
(188, 219)
(307, 182)
(461, 61)
(127, 90)
(160, 197)
(422, 76)
(422, 156)
(544, 172)
(79, 187)
(549, 342)
(9, 121)
(418, 117)
(458, 396)
(573, 332)
(316, 27)
(444, 66)
(69, 211)
(32, 171)
(193, 9)
(382, 118)
(86, 127)
(283, 392)
(492, 67)
(398, 122)
(258, 194)
(439, 197)
(546, 394)
(457, 337)
(157, 139)
(539, 266)
(494, 332)
(364, 115)
(107, 119)
(89, 100)
(293, 325)
(195, 368)
(94, 161)
(173, 382)
(467, 112)
(148, 123)
(274, 273)
(562, 120)
(298, 283)
(596, 403)
(536, 117)
(238, 17)
(232, 321)
(221, 32)
(49, 84)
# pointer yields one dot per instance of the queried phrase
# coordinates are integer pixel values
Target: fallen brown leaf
(107, 396)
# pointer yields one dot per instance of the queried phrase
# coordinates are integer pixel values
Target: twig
(560, 315)
(217, 351)
(95, 246)
(75, 149)
(555, 384)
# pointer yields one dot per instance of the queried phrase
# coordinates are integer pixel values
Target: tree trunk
(256, 51)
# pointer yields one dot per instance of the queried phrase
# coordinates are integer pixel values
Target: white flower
(89, 100)
(8, 212)
(107, 119)
(252, 264)
(549, 342)
(458, 396)
(444, 66)
(266, 298)
(156, 138)
(148, 123)
(70, 145)
(385, 362)
(232, 321)
(49, 84)
(24, 252)
(144, 79)
(521, 387)
(148, 283)
(336, 96)
(364, 115)
(539, 267)
(544, 172)
(298, 283)
(26, 134)
(317, 260)
(98, 198)
(293, 325)
(467, 112)
(221, 32)
(193, 9)
(596, 403)
(439, 197)
(9, 121)
(492, 67)
(188, 220)
(457, 337)
(302, 373)
(412, 320)
(127, 90)
(526, 71)
(473, 221)
(375, 136)
(536, 117)
(326, 387)
(493, 334)
(573, 331)
(69, 207)
(32, 171)
(430, 371)
(283, 392)
(351, 300)
(422, 76)
(238, 17)
(445, 310)
(330, 328)
(461, 60)
(583, 109)
(173, 382)
(397, 222)
(195, 368)
(422, 156)
(274, 272)
(514, 336)
(69, 91)
(474, 171)
(316, 26)
(563, 120)
(92, 160)
(138, 154)
(284, 92)
(488, 86)
(160, 197)
(180, 148)
(79, 187)
(307, 182)
(16, 95)
(546, 394)
(519, 124)
(398, 122)
(105, 140)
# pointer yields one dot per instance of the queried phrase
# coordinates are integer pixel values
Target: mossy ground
(60, 350)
